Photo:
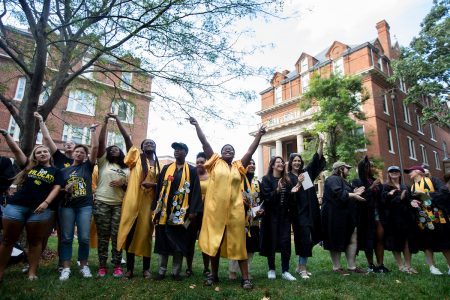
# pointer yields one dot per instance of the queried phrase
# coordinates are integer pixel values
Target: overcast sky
(318, 25)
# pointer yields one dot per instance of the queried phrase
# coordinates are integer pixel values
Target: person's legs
(233, 268)
(398, 259)
(83, 221)
(271, 261)
(215, 264)
(177, 263)
(336, 260)
(162, 264)
(243, 265)
(51, 225)
(250, 256)
(102, 216)
(350, 252)
(379, 243)
(36, 231)
(67, 225)
(115, 222)
(11, 232)
(206, 259)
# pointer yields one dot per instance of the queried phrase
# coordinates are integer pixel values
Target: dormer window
(304, 65)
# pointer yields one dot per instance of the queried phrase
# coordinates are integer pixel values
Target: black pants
(131, 256)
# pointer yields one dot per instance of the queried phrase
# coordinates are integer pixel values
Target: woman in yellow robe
(136, 228)
(223, 225)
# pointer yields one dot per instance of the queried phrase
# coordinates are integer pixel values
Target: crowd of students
(221, 203)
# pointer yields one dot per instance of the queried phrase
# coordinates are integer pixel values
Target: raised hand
(321, 137)
(262, 129)
(193, 121)
(38, 116)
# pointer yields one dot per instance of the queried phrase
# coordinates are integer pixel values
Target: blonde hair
(31, 163)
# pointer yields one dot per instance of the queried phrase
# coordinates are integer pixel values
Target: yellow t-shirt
(108, 172)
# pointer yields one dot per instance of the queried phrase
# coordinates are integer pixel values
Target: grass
(323, 284)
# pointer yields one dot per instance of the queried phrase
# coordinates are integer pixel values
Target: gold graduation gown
(136, 207)
(223, 213)
(204, 187)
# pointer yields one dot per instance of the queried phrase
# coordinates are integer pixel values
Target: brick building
(86, 101)
(394, 128)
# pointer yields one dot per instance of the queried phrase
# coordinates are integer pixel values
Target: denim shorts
(24, 214)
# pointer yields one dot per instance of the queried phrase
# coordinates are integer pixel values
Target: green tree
(339, 100)
(189, 47)
(425, 65)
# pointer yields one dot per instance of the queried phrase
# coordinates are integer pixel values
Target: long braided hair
(144, 162)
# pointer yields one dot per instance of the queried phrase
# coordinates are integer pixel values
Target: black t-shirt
(81, 176)
(7, 172)
(61, 161)
(37, 185)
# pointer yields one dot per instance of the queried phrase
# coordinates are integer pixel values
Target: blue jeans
(25, 214)
(68, 218)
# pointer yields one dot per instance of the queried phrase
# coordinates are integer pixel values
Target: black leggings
(131, 256)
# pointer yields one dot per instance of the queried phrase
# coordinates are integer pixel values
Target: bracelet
(47, 203)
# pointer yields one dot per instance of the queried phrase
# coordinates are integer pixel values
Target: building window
(81, 102)
(390, 141)
(385, 104)
(79, 135)
(272, 152)
(278, 95)
(124, 111)
(402, 86)
(126, 79)
(304, 65)
(20, 89)
(437, 162)
(116, 139)
(14, 131)
(424, 154)
(419, 124)
(46, 91)
(411, 148)
(444, 148)
(432, 134)
(305, 82)
(338, 66)
(89, 72)
(380, 64)
(406, 115)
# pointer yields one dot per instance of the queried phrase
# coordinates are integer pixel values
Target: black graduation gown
(306, 222)
(276, 221)
(400, 220)
(170, 239)
(338, 214)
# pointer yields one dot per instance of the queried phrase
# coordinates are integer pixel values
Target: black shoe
(246, 284)
(177, 277)
(372, 269)
(160, 277)
(210, 280)
(382, 269)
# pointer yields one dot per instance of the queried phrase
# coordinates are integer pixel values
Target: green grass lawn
(323, 284)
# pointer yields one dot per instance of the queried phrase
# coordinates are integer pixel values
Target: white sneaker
(86, 272)
(288, 276)
(271, 274)
(65, 274)
(435, 271)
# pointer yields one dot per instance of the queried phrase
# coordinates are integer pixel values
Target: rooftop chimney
(384, 37)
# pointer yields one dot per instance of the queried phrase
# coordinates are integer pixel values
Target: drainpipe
(396, 133)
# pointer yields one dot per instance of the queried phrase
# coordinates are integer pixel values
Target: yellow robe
(136, 207)
(204, 187)
(223, 214)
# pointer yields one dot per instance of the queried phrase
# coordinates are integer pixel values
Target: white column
(279, 148)
(260, 163)
(300, 143)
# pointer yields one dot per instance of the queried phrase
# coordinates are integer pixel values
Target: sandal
(206, 272)
(210, 280)
(246, 284)
(304, 274)
(189, 273)
(146, 274)
(32, 277)
(128, 275)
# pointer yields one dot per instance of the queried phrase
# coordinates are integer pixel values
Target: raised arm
(248, 156)
(320, 148)
(20, 156)
(94, 144)
(123, 131)
(102, 138)
(201, 136)
(46, 138)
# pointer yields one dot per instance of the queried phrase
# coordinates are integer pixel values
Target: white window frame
(14, 131)
(68, 134)
(402, 85)
(338, 66)
(89, 72)
(406, 114)
(116, 139)
(423, 150)
(126, 80)
(272, 150)
(380, 63)
(79, 102)
(385, 104)
(432, 133)
(411, 148)
(278, 95)
(129, 114)
(46, 91)
(390, 140)
(419, 125)
(437, 162)
(20, 88)
(304, 65)
(305, 82)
